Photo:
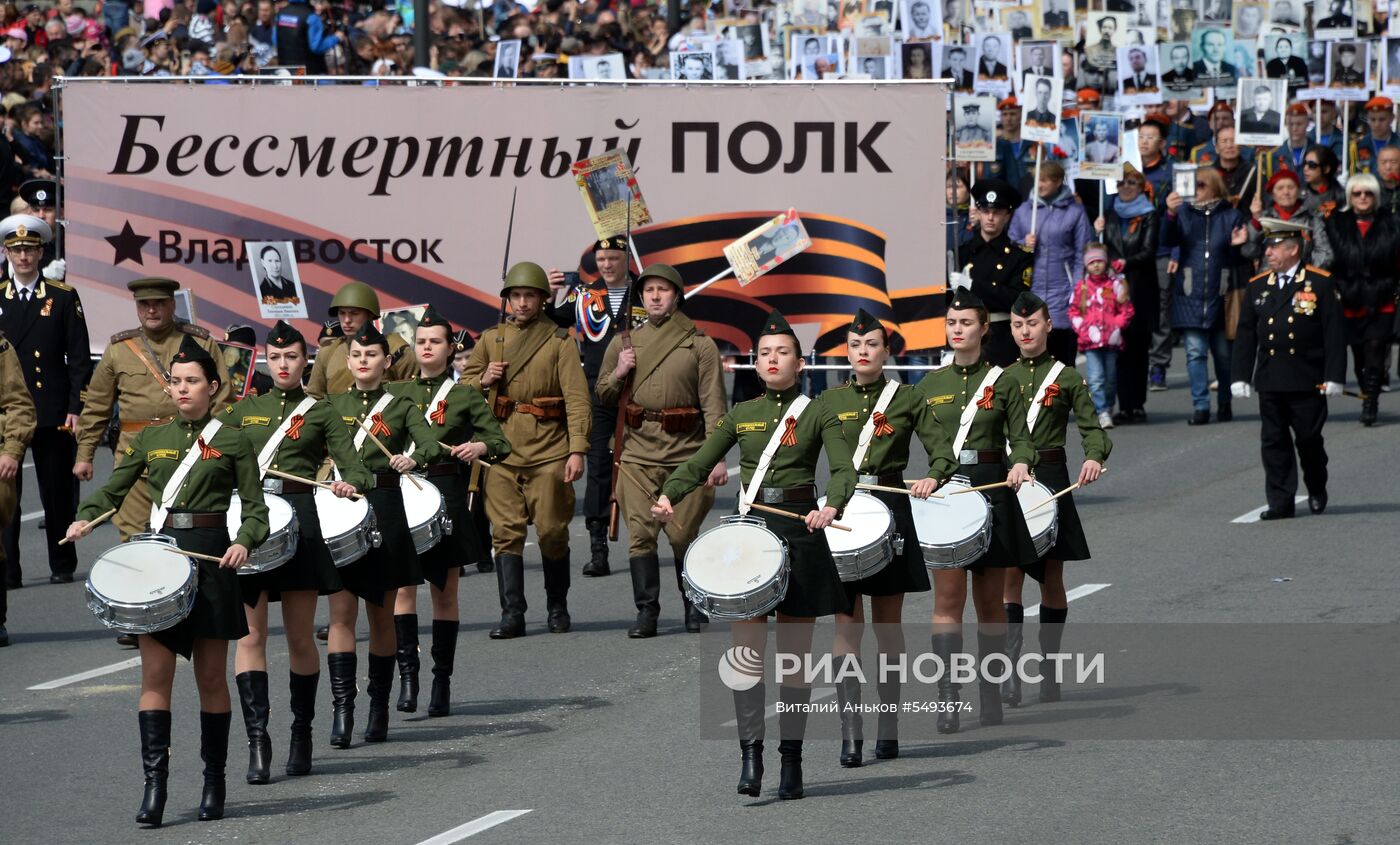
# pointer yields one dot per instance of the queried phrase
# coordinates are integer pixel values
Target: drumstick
(882, 488)
(970, 489)
(91, 525)
(645, 488)
(450, 447)
(175, 551)
(322, 484)
(389, 455)
(1061, 493)
(779, 512)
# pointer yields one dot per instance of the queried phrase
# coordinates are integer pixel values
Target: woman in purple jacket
(1061, 232)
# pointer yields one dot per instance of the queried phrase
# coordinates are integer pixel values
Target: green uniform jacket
(907, 414)
(159, 449)
(1053, 422)
(751, 425)
(320, 434)
(405, 422)
(947, 391)
(464, 419)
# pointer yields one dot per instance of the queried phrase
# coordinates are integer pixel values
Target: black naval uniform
(1000, 269)
(50, 337)
(1290, 340)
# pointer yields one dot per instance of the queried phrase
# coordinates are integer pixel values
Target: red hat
(1299, 108)
(1160, 119)
(1220, 105)
(1381, 103)
(1280, 176)
(1088, 95)
(1008, 103)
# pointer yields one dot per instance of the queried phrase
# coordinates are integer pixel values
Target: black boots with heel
(252, 695)
(406, 637)
(155, 762)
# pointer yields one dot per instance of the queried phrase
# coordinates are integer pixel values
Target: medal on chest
(1305, 301)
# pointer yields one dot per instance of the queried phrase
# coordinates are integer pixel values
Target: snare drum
(139, 588)
(283, 533)
(953, 531)
(736, 570)
(870, 544)
(1044, 523)
(426, 512)
(347, 525)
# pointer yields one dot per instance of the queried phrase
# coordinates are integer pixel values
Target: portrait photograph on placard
(1178, 78)
(1184, 180)
(1141, 13)
(401, 321)
(507, 64)
(918, 60)
(1333, 20)
(974, 127)
(729, 59)
(1141, 36)
(605, 67)
(272, 266)
(1069, 145)
(993, 62)
(1390, 67)
(1104, 33)
(956, 15)
(604, 182)
(1040, 111)
(767, 246)
(1216, 12)
(693, 66)
(1184, 17)
(1248, 19)
(1036, 58)
(1283, 59)
(1054, 19)
(1347, 63)
(1259, 111)
(240, 360)
(1289, 13)
(185, 309)
(871, 67)
(921, 20)
(1019, 21)
(957, 67)
(1211, 49)
(1139, 82)
(1101, 150)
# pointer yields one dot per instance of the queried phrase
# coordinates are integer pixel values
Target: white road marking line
(817, 695)
(475, 826)
(91, 673)
(1077, 593)
(30, 517)
(1253, 516)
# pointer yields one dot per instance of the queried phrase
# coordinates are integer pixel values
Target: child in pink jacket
(1099, 312)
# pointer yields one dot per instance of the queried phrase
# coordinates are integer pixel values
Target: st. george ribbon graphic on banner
(176, 179)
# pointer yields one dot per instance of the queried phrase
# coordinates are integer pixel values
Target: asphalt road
(595, 735)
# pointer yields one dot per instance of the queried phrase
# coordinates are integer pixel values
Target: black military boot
(989, 692)
(510, 579)
(341, 667)
(749, 714)
(945, 646)
(252, 694)
(556, 593)
(381, 678)
(1052, 631)
(887, 731)
(646, 594)
(444, 653)
(303, 707)
(848, 699)
(1371, 390)
(1015, 636)
(155, 762)
(597, 565)
(792, 726)
(694, 616)
(213, 750)
(406, 633)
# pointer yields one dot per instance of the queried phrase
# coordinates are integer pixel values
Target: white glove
(57, 269)
(1241, 390)
(959, 280)
(1331, 388)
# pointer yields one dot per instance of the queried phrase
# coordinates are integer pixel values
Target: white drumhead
(734, 559)
(279, 514)
(138, 572)
(950, 520)
(869, 519)
(1029, 496)
(338, 515)
(421, 503)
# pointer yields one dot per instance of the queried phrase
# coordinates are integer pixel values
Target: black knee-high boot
(252, 695)
(792, 727)
(749, 707)
(949, 701)
(848, 699)
(406, 634)
(444, 653)
(155, 762)
(381, 678)
(556, 592)
(213, 750)
(887, 731)
(510, 580)
(646, 594)
(989, 692)
(1015, 636)
(694, 616)
(342, 669)
(1052, 631)
(303, 707)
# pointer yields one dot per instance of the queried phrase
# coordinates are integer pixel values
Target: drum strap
(269, 449)
(172, 487)
(867, 433)
(965, 423)
(1033, 413)
(441, 395)
(360, 431)
(766, 459)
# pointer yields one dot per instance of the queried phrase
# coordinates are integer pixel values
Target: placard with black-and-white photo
(1040, 111)
(1101, 148)
(1104, 33)
(1216, 12)
(605, 67)
(1054, 19)
(1390, 67)
(755, 40)
(1181, 21)
(1347, 64)
(957, 66)
(871, 67)
(974, 127)
(875, 58)
(1144, 13)
(507, 64)
(1184, 180)
(693, 66)
(1178, 77)
(1139, 82)
(1283, 59)
(1288, 13)
(921, 20)
(1249, 19)
(272, 266)
(956, 16)
(1333, 20)
(919, 60)
(993, 62)
(1211, 49)
(809, 49)
(729, 59)
(1019, 21)
(1141, 36)
(1259, 107)
(1036, 58)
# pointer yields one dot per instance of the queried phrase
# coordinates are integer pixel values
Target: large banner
(409, 188)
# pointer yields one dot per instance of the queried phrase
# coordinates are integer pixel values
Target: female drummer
(455, 415)
(792, 439)
(1056, 396)
(378, 422)
(982, 410)
(289, 433)
(884, 415)
(212, 465)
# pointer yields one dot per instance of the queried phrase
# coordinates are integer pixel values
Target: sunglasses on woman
(1311, 164)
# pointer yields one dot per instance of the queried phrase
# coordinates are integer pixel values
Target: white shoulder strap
(378, 407)
(441, 394)
(766, 459)
(1033, 412)
(867, 433)
(172, 487)
(269, 449)
(970, 411)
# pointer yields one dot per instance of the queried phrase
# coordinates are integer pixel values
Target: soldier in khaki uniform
(17, 416)
(530, 371)
(354, 305)
(669, 374)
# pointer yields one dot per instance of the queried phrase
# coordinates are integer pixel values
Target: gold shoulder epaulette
(120, 336)
(1318, 270)
(1263, 275)
(193, 330)
(561, 332)
(57, 284)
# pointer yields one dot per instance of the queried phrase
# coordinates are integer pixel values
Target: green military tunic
(301, 452)
(1000, 420)
(331, 373)
(1069, 394)
(227, 463)
(814, 587)
(460, 417)
(884, 463)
